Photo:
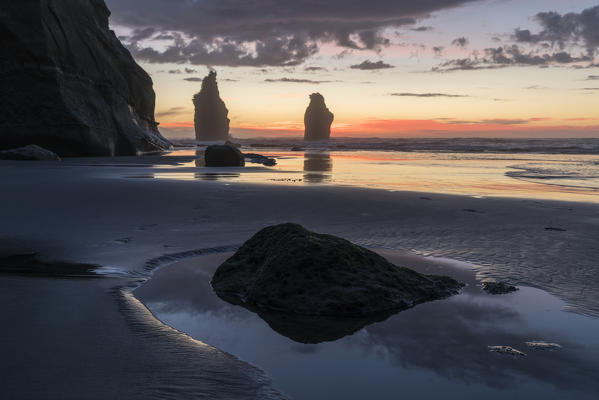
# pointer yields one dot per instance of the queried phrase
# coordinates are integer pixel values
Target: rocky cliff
(318, 119)
(211, 122)
(67, 83)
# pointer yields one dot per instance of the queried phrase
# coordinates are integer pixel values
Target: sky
(387, 68)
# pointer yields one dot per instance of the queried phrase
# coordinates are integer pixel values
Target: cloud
(571, 29)
(294, 80)
(438, 50)
(563, 39)
(371, 65)
(171, 111)
(593, 78)
(427, 95)
(460, 42)
(261, 32)
(312, 69)
(507, 56)
(193, 79)
(423, 29)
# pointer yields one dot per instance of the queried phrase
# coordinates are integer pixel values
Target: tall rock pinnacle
(211, 122)
(318, 119)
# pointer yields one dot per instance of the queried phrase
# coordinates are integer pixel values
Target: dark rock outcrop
(30, 152)
(286, 268)
(318, 119)
(223, 156)
(67, 83)
(211, 122)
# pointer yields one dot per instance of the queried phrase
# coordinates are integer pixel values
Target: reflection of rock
(223, 156)
(30, 264)
(316, 329)
(314, 166)
(318, 119)
(69, 85)
(492, 287)
(286, 268)
(211, 122)
(31, 152)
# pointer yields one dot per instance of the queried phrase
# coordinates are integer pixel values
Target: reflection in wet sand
(315, 166)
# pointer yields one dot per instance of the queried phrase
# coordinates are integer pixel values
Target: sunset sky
(387, 68)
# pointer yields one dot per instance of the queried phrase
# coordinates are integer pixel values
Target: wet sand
(92, 211)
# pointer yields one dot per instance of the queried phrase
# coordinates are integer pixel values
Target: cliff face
(67, 83)
(318, 119)
(211, 122)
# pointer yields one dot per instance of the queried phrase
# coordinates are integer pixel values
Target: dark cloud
(506, 56)
(562, 39)
(261, 32)
(427, 95)
(371, 65)
(313, 69)
(460, 42)
(294, 80)
(193, 79)
(593, 78)
(190, 71)
(438, 50)
(174, 71)
(572, 29)
(423, 29)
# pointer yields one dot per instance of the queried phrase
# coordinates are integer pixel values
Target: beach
(131, 215)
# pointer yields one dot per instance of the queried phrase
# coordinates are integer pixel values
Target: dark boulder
(286, 268)
(211, 122)
(318, 119)
(69, 85)
(223, 156)
(30, 152)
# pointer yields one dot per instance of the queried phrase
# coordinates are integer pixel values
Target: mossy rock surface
(290, 269)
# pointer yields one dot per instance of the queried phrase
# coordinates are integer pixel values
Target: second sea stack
(318, 119)
(286, 268)
(211, 122)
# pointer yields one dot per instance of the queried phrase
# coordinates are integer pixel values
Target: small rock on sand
(506, 350)
(539, 345)
(31, 152)
(493, 287)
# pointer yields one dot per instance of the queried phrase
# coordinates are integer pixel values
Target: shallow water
(435, 349)
(568, 177)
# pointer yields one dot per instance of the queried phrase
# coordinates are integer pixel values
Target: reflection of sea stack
(211, 122)
(69, 85)
(318, 119)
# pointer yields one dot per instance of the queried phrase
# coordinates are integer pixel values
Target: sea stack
(318, 119)
(211, 122)
(69, 85)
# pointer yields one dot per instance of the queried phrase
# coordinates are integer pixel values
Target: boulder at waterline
(286, 268)
(223, 156)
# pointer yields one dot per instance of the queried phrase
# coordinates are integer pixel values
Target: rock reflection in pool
(315, 166)
(435, 349)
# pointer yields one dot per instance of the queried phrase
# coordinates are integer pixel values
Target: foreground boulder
(223, 156)
(286, 268)
(31, 152)
(211, 122)
(69, 85)
(318, 119)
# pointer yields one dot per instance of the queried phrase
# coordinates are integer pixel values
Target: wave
(463, 145)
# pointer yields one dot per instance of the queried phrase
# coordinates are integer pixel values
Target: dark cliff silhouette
(69, 85)
(318, 119)
(211, 122)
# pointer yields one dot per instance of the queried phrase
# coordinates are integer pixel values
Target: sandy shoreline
(94, 214)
